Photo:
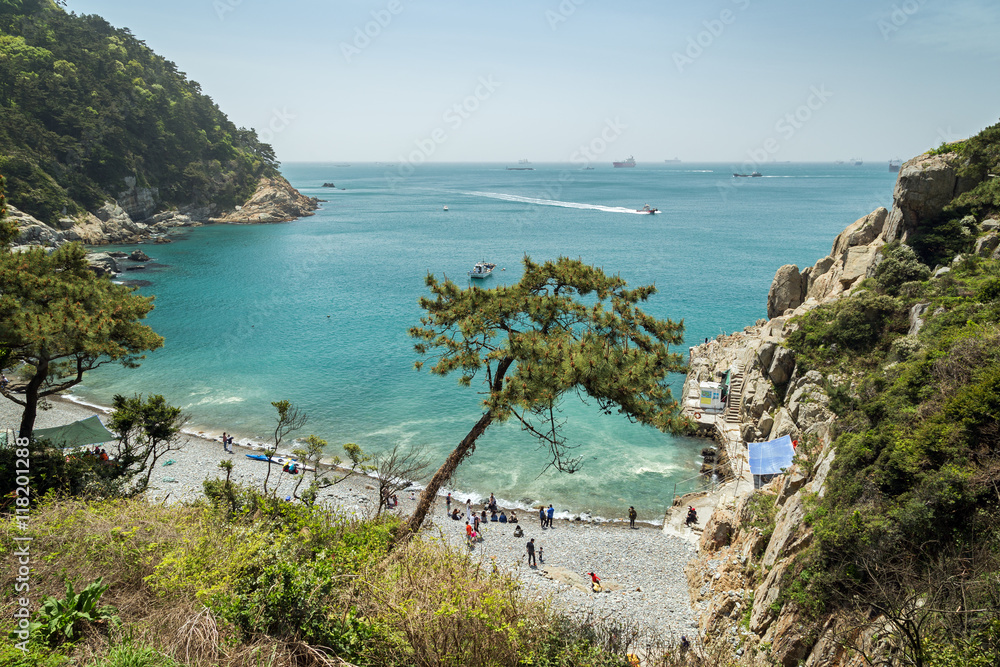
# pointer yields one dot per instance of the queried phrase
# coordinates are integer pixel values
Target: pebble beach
(642, 568)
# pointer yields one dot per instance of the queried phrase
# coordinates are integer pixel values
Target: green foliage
(980, 158)
(146, 431)
(564, 327)
(62, 620)
(61, 320)
(85, 106)
(135, 655)
(898, 266)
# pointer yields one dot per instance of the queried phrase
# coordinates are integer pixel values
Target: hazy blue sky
(720, 80)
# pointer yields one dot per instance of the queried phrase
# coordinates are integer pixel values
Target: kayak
(278, 460)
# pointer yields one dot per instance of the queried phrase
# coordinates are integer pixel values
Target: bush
(898, 266)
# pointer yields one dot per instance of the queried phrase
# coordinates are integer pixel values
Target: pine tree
(61, 320)
(564, 327)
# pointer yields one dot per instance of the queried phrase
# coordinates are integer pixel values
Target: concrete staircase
(732, 412)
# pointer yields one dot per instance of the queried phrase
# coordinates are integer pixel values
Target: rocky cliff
(738, 583)
(131, 218)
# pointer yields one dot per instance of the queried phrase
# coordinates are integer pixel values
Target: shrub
(898, 266)
(135, 655)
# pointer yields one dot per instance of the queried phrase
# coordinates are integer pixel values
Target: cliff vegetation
(88, 112)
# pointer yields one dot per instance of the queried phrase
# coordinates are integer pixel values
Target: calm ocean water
(316, 311)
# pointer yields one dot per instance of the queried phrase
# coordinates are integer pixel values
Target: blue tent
(768, 459)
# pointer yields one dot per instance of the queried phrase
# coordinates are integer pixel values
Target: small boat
(520, 168)
(755, 174)
(627, 162)
(647, 209)
(482, 270)
(446, 207)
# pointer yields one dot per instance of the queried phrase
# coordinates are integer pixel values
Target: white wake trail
(555, 202)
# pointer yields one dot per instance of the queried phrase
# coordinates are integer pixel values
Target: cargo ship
(629, 162)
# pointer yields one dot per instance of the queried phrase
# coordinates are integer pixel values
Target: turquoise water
(316, 311)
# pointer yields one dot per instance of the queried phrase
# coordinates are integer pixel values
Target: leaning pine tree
(565, 326)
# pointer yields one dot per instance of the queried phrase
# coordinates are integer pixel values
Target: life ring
(697, 415)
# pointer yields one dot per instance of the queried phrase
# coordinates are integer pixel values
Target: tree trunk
(31, 399)
(444, 473)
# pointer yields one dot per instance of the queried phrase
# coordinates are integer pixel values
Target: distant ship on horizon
(676, 159)
(894, 164)
(628, 162)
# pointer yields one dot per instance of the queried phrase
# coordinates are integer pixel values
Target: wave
(554, 202)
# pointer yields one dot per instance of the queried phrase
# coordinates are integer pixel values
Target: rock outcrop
(738, 583)
(924, 186)
(131, 218)
(274, 201)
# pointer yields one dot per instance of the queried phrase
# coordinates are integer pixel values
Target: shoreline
(73, 408)
(644, 567)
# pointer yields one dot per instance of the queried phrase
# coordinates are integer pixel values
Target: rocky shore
(131, 218)
(643, 568)
(737, 579)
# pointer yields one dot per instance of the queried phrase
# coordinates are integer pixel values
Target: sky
(585, 81)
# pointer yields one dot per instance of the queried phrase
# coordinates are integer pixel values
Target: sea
(316, 311)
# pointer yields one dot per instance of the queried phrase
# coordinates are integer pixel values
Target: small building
(711, 397)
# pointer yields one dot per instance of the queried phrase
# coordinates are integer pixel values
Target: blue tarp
(768, 458)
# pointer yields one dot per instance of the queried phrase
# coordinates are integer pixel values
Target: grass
(285, 585)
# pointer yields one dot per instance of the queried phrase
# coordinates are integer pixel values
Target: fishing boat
(627, 162)
(647, 209)
(482, 270)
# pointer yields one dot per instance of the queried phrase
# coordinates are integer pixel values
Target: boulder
(857, 262)
(765, 354)
(102, 263)
(718, 530)
(924, 186)
(989, 225)
(138, 256)
(789, 534)
(791, 636)
(31, 230)
(917, 318)
(765, 425)
(784, 425)
(786, 290)
(764, 399)
(985, 245)
(782, 365)
(766, 595)
(860, 233)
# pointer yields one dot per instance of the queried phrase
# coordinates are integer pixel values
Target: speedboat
(647, 209)
(482, 270)
(446, 207)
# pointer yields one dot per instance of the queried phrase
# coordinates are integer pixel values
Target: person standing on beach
(468, 508)
(549, 514)
(541, 516)
(448, 502)
(531, 553)
(224, 440)
(631, 516)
